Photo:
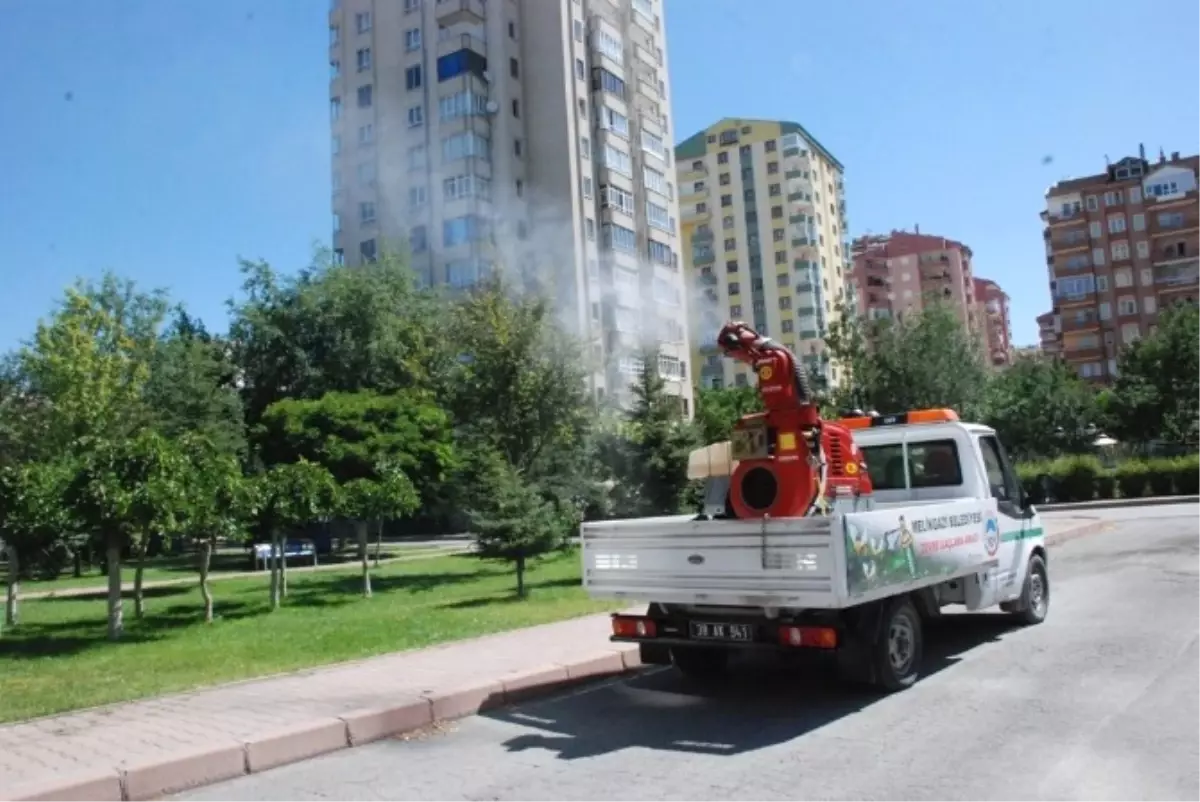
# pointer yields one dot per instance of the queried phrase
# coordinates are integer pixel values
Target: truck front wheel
(1034, 603)
(700, 663)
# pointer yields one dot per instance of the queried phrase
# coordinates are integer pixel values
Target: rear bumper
(766, 635)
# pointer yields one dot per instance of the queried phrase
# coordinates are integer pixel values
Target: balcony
(1177, 275)
(453, 12)
(703, 256)
(452, 43)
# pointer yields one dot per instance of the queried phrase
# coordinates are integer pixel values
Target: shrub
(1106, 485)
(1187, 475)
(1028, 473)
(1131, 478)
(1075, 477)
(1160, 475)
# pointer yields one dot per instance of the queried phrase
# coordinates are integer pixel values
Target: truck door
(1015, 521)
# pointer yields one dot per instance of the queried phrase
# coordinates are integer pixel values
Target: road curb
(1112, 503)
(1059, 538)
(173, 773)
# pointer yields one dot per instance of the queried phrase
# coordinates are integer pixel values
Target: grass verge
(58, 659)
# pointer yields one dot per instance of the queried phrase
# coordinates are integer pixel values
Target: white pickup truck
(947, 524)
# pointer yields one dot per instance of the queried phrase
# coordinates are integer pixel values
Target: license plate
(731, 632)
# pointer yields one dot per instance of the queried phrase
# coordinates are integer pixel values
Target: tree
(927, 359)
(32, 517)
(661, 439)
(216, 504)
(124, 492)
(286, 497)
(191, 386)
(332, 328)
(351, 434)
(1156, 396)
(717, 410)
(83, 376)
(511, 520)
(370, 501)
(518, 389)
(1040, 408)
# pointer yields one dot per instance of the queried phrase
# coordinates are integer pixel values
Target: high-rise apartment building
(996, 323)
(1048, 333)
(765, 240)
(528, 136)
(1120, 246)
(904, 271)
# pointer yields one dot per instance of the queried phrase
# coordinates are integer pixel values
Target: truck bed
(801, 563)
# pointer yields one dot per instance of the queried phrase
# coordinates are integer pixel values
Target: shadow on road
(763, 702)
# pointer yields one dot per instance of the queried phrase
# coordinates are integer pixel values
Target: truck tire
(898, 646)
(700, 663)
(1034, 604)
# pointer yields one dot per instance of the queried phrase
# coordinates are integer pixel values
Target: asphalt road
(1099, 702)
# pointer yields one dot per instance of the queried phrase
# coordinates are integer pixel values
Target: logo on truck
(991, 537)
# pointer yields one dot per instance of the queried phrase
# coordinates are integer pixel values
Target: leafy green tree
(332, 328)
(191, 386)
(512, 520)
(1156, 396)
(124, 492)
(370, 501)
(718, 409)
(927, 359)
(32, 518)
(1040, 408)
(216, 505)
(285, 498)
(661, 439)
(351, 434)
(84, 373)
(518, 388)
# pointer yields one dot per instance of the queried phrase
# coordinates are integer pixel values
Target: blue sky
(166, 138)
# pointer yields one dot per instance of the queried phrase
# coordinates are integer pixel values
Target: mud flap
(855, 661)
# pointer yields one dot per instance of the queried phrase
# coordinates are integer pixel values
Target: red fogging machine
(790, 463)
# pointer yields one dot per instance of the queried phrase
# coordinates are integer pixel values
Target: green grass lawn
(226, 561)
(59, 659)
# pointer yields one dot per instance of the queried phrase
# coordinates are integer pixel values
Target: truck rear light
(632, 626)
(812, 637)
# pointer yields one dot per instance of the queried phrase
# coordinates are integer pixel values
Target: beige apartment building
(765, 240)
(525, 136)
(1121, 245)
(903, 271)
(1049, 330)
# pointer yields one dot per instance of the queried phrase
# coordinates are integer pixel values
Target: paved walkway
(265, 722)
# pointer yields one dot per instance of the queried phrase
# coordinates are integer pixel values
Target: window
(411, 6)
(617, 198)
(460, 146)
(654, 180)
(335, 109)
(1095, 229)
(1120, 250)
(653, 143)
(337, 222)
(1143, 249)
(412, 39)
(466, 186)
(778, 234)
(335, 69)
(658, 216)
(1097, 256)
(933, 463)
(412, 77)
(610, 45)
(585, 147)
(577, 28)
(1000, 476)
(617, 161)
(731, 266)
(366, 135)
(735, 288)
(1116, 223)
(580, 69)
(335, 35)
(1170, 219)
(731, 244)
(1127, 305)
(1112, 198)
(785, 303)
(1092, 203)
(618, 237)
(1135, 194)
(1164, 189)
(587, 187)
(517, 148)
(1147, 277)
(614, 121)
(362, 21)
(417, 157)
(772, 168)
(1131, 332)
(417, 196)
(366, 173)
(1139, 222)
(366, 212)
(777, 212)
(336, 145)
(1101, 283)
(660, 254)
(1077, 287)
(603, 80)
(416, 116)
(1123, 277)
(589, 226)
(367, 251)
(514, 68)
(1105, 310)
(1149, 305)
(516, 108)
(774, 189)
(364, 59)
(462, 104)
(726, 200)
(459, 230)
(727, 222)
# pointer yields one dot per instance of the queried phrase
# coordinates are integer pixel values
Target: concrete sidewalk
(146, 749)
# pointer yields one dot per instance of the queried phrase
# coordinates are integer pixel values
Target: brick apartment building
(996, 323)
(902, 271)
(1120, 246)
(1048, 332)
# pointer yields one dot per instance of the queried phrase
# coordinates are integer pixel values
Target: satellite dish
(492, 107)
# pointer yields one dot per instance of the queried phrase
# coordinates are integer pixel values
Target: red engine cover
(783, 484)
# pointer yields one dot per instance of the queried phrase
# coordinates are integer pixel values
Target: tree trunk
(361, 529)
(521, 577)
(273, 562)
(378, 541)
(78, 562)
(206, 549)
(139, 600)
(12, 611)
(282, 567)
(116, 615)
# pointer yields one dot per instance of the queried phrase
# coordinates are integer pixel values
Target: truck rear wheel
(898, 646)
(700, 663)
